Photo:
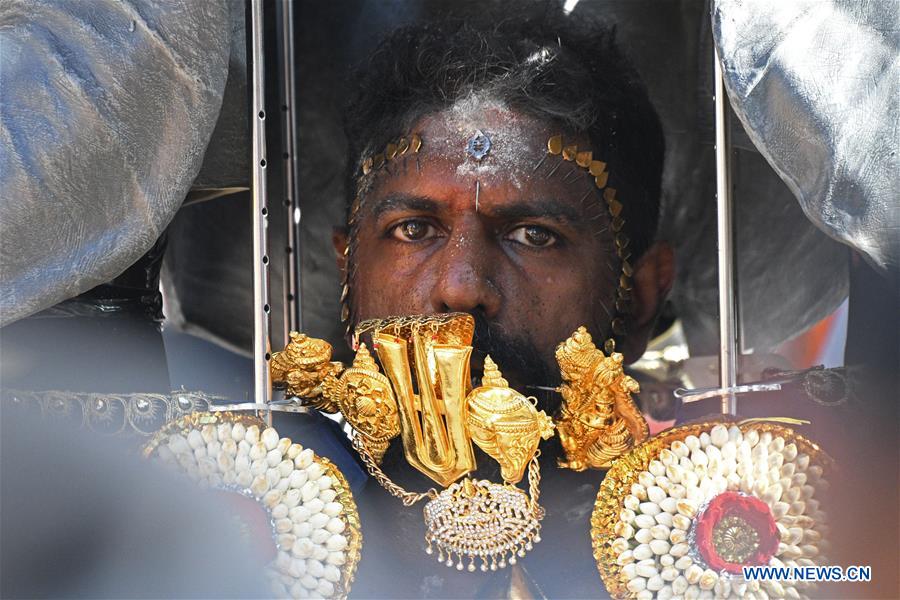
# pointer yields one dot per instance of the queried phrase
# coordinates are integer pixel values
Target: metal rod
(293, 317)
(728, 344)
(695, 395)
(262, 383)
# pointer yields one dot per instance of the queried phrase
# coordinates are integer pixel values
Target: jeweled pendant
(480, 518)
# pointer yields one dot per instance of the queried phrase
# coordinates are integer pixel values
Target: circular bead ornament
(682, 513)
(298, 504)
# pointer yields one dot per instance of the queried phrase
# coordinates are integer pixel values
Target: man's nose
(465, 277)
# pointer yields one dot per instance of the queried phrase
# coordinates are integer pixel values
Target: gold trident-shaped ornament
(432, 422)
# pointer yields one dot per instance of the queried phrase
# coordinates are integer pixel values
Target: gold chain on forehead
(584, 160)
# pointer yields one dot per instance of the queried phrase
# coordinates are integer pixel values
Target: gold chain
(408, 498)
(534, 481)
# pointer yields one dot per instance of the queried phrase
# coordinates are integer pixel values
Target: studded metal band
(110, 414)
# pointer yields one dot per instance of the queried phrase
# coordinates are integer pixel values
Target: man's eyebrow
(556, 210)
(547, 208)
(404, 202)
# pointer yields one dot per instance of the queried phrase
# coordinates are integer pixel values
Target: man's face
(532, 257)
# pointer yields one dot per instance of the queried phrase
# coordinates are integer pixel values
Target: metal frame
(262, 382)
(728, 310)
(293, 317)
(728, 334)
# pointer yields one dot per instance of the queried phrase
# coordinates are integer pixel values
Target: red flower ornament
(734, 531)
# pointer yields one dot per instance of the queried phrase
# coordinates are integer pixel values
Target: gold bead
(390, 151)
(617, 224)
(597, 167)
(378, 161)
(367, 166)
(344, 292)
(615, 207)
(569, 152)
(601, 179)
(415, 143)
(625, 282)
(626, 268)
(402, 146)
(583, 159)
(609, 194)
(345, 313)
(622, 240)
(554, 145)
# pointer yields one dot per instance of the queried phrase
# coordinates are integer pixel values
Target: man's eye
(413, 231)
(534, 236)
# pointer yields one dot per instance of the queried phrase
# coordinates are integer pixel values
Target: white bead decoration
(309, 527)
(654, 537)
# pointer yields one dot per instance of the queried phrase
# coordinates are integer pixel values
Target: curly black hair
(564, 71)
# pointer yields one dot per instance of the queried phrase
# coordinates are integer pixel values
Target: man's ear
(340, 239)
(653, 277)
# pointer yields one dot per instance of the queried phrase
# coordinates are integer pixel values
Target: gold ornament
(302, 367)
(365, 398)
(479, 518)
(596, 169)
(438, 420)
(432, 422)
(598, 420)
(505, 424)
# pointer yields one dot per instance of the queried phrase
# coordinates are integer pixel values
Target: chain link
(408, 498)
(534, 482)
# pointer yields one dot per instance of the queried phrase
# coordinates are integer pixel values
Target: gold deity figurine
(302, 367)
(505, 424)
(365, 398)
(598, 420)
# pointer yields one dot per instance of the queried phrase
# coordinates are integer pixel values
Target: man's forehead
(446, 174)
(477, 113)
(517, 141)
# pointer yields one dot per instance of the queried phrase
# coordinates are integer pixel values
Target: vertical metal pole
(293, 318)
(261, 340)
(728, 345)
